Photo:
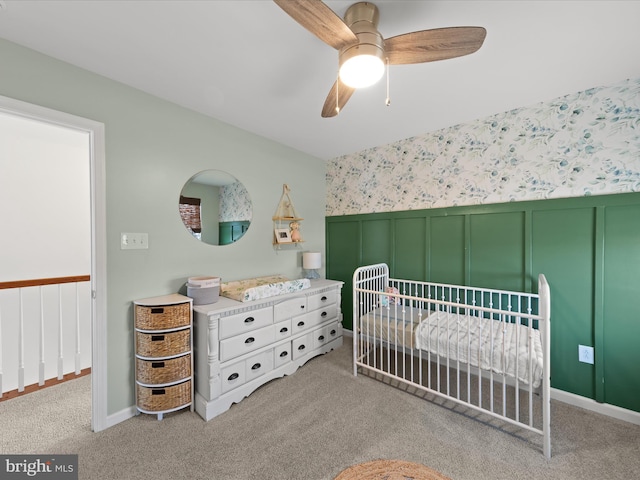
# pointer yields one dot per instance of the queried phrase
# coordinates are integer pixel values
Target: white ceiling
(249, 64)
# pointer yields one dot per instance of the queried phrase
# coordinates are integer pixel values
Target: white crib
(482, 348)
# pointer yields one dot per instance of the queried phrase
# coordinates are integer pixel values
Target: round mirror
(215, 207)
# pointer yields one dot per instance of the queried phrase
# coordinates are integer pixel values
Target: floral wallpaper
(235, 203)
(586, 143)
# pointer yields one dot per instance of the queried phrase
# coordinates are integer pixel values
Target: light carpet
(312, 425)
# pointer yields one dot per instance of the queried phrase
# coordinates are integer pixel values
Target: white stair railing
(45, 330)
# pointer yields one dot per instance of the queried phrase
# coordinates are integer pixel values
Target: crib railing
(45, 330)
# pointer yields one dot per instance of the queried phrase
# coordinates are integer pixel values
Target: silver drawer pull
(284, 354)
(250, 340)
(256, 366)
(284, 330)
(233, 376)
(249, 320)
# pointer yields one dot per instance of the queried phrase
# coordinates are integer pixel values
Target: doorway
(94, 134)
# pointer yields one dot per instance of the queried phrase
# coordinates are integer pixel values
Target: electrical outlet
(130, 241)
(585, 354)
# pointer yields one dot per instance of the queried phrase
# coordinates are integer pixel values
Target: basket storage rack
(163, 354)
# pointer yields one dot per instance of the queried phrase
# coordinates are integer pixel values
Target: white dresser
(240, 346)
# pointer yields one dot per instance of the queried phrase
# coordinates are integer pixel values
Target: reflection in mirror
(215, 207)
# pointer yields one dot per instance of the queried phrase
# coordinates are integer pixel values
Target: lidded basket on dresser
(203, 290)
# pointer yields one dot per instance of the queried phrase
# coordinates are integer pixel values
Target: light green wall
(152, 148)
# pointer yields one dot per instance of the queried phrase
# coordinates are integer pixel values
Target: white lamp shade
(311, 260)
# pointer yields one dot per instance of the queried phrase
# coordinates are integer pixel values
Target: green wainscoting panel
(343, 256)
(588, 248)
(447, 252)
(621, 323)
(496, 250)
(377, 241)
(563, 249)
(410, 248)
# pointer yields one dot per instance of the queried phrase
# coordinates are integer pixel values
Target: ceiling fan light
(361, 71)
(361, 65)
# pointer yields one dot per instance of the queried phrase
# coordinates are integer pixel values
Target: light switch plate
(134, 241)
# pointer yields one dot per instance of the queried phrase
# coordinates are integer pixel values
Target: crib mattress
(394, 324)
(262, 287)
(470, 340)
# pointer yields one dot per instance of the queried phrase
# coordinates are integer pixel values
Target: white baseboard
(602, 408)
(121, 416)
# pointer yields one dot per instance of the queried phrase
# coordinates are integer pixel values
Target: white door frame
(98, 243)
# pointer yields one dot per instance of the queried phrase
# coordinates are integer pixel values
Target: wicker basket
(163, 344)
(155, 372)
(163, 316)
(160, 399)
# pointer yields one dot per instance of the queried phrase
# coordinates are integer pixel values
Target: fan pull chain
(388, 101)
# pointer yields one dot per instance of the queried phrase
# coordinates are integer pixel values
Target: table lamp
(311, 261)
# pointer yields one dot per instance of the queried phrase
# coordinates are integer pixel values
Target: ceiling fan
(363, 49)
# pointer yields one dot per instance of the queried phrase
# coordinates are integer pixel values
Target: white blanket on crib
(471, 340)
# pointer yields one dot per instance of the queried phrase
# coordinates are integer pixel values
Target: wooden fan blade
(343, 93)
(432, 45)
(320, 20)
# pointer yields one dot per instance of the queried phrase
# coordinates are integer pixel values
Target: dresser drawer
(301, 346)
(282, 354)
(312, 319)
(258, 365)
(302, 323)
(289, 308)
(321, 300)
(163, 344)
(320, 337)
(334, 331)
(245, 343)
(283, 330)
(323, 314)
(245, 322)
(232, 376)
